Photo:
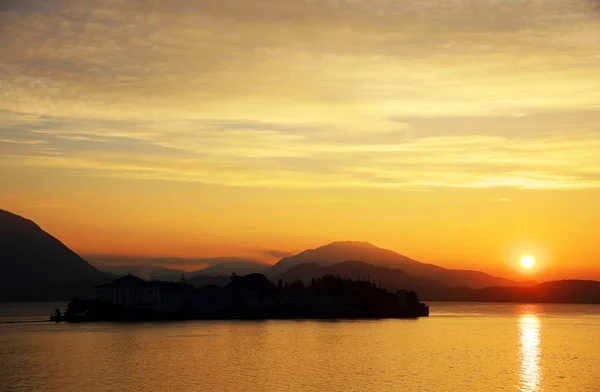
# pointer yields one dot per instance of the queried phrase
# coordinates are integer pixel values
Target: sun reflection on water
(531, 370)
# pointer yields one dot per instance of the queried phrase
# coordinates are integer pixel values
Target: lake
(461, 347)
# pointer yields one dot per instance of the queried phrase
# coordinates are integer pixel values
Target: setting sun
(527, 261)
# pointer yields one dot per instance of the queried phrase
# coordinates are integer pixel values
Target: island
(252, 296)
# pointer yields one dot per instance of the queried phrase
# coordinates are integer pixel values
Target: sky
(464, 133)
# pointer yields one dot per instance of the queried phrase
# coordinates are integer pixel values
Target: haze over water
(461, 347)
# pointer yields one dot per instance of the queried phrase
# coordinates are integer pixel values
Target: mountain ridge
(341, 251)
(562, 291)
(391, 278)
(34, 265)
(159, 267)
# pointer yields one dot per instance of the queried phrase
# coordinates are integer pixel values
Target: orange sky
(460, 133)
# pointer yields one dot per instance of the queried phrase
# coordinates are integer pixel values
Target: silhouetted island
(245, 297)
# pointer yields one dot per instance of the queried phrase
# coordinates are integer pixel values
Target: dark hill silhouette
(563, 291)
(35, 266)
(338, 252)
(390, 278)
(203, 281)
(227, 266)
(149, 272)
(158, 267)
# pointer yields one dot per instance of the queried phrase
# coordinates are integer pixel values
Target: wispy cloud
(277, 254)
(293, 158)
(304, 94)
(115, 260)
(22, 141)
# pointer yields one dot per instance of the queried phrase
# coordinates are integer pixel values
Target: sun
(527, 262)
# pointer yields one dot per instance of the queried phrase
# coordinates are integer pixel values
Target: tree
(412, 298)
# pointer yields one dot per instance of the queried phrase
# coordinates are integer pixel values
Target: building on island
(133, 293)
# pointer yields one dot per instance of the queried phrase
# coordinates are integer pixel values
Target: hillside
(220, 273)
(203, 281)
(390, 278)
(149, 272)
(563, 291)
(35, 266)
(566, 291)
(227, 266)
(338, 252)
(159, 267)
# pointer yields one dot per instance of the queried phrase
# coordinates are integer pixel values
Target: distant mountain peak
(350, 244)
(343, 251)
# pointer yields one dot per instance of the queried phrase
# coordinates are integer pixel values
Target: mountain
(564, 291)
(158, 267)
(390, 278)
(148, 272)
(338, 252)
(202, 281)
(35, 266)
(228, 266)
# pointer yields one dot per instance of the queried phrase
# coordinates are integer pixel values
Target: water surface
(461, 347)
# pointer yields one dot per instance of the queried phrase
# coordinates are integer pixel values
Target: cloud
(290, 157)
(22, 141)
(594, 5)
(115, 260)
(278, 254)
(136, 58)
(23, 6)
(304, 94)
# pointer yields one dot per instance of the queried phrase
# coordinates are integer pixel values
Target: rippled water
(462, 347)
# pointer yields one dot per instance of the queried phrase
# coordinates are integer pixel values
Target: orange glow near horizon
(259, 129)
(267, 228)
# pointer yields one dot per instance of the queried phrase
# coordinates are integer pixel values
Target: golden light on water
(530, 339)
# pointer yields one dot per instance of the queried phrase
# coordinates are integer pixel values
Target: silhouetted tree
(412, 298)
(297, 287)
